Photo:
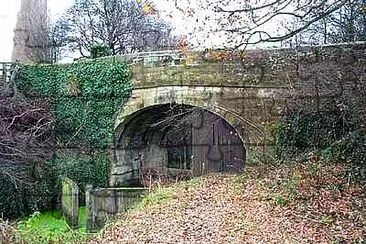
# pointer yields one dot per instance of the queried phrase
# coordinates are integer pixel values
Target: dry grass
(7, 233)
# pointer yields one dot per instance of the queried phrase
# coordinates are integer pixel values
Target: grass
(158, 196)
(164, 194)
(262, 204)
(51, 227)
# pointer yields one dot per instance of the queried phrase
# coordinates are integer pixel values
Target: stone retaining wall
(103, 204)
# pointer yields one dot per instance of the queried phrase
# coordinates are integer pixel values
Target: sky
(183, 25)
(8, 13)
(10, 8)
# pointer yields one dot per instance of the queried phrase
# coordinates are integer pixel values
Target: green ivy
(100, 50)
(84, 96)
(82, 168)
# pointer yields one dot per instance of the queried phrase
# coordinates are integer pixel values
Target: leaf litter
(299, 203)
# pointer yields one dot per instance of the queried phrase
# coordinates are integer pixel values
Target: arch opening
(174, 141)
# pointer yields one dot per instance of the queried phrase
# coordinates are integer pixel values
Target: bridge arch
(210, 98)
(186, 137)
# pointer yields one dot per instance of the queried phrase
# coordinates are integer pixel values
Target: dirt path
(263, 205)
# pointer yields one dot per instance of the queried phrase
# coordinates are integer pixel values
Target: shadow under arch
(173, 139)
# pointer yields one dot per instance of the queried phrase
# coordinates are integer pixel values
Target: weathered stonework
(227, 102)
(250, 93)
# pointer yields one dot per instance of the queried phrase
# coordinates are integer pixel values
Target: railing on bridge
(177, 57)
(155, 58)
(5, 68)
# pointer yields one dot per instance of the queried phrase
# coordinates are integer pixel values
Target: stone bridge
(193, 113)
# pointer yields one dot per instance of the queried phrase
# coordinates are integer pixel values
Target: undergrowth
(335, 133)
(163, 194)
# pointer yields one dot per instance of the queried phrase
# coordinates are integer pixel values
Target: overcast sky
(167, 8)
(8, 13)
(9, 9)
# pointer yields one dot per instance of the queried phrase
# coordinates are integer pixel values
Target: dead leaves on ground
(318, 206)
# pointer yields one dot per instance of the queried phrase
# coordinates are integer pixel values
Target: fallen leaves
(225, 208)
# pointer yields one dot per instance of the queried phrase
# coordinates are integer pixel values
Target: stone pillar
(70, 202)
(31, 43)
(90, 211)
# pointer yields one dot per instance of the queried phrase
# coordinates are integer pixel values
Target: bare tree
(58, 39)
(124, 25)
(242, 23)
(26, 135)
(26, 142)
(347, 24)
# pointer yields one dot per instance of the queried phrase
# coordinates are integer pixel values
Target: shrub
(20, 197)
(336, 131)
(7, 232)
(26, 141)
(352, 147)
(83, 169)
(303, 131)
(100, 50)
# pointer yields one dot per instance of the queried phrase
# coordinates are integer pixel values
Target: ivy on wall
(84, 97)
